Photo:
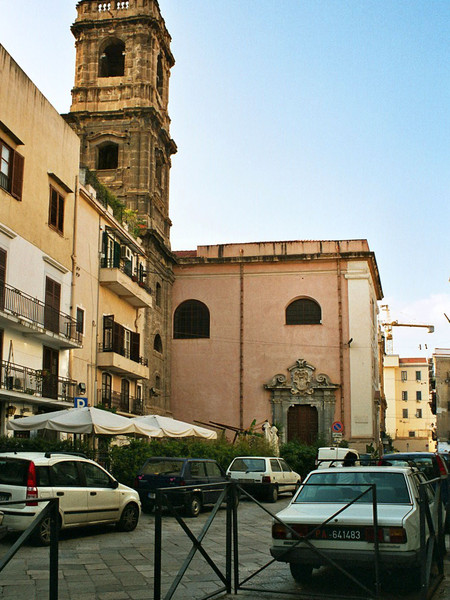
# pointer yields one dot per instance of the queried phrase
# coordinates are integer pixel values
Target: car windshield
(248, 464)
(343, 487)
(163, 467)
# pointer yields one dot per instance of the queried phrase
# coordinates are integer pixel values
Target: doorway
(303, 424)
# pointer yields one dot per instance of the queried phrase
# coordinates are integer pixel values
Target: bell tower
(120, 112)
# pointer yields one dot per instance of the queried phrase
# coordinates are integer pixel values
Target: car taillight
(281, 532)
(266, 479)
(442, 468)
(386, 535)
(32, 491)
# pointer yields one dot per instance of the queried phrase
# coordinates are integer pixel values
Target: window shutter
(17, 176)
(116, 263)
(118, 338)
(134, 351)
(60, 213)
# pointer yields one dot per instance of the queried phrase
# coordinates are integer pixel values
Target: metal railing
(36, 382)
(122, 402)
(432, 542)
(51, 512)
(125, 352)
(19, 304)
(125, 267)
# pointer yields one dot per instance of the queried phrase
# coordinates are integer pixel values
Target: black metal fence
(432, 542)
(36, 382)
(50, 512)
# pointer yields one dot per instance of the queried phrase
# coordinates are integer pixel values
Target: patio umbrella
(80, 420)
(171, 427)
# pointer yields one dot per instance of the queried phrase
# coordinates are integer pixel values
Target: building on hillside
(120, 113)
(283, 331)
(441, 395)
(38, 182)
(111, 296)
(409, 419)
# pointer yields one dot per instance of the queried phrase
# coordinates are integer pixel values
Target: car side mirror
(114, 484)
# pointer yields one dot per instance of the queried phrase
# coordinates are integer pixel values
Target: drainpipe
(74, 266)
(340, 323)
(241, 341)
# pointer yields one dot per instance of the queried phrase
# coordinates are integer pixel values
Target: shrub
(299, 456)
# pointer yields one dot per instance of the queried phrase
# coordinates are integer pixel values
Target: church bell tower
(120, 112)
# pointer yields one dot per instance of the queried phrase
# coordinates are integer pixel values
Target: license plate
(341, 534)
(4, 497)
(152, 495)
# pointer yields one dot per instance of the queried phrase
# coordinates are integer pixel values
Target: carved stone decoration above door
(302, 386)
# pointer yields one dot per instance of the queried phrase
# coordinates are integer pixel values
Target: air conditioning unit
(126, 253)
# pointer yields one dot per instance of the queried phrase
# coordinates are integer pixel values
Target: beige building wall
(109, 287)
(409, 420)
(38, 179)
(242, 371)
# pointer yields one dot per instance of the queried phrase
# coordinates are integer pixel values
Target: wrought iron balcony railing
(125, 352)
(19, 304)
(122, 402)
(125, 267)
(36, 382)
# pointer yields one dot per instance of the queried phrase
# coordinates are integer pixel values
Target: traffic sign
(337, 427)
(80, 402)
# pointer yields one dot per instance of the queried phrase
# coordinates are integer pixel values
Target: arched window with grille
(303, 311)
(157, 343)
(191, 320)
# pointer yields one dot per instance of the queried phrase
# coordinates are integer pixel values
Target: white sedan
(348, 536)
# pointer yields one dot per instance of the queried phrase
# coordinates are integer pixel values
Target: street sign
(80, 402)
(337, 436)
(337, 427)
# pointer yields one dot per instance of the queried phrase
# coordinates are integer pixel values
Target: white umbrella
(171, 427)
(79, 420)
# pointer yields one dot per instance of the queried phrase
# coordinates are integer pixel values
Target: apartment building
(441, 395)
(111, 297)
(38, 181)
(409, 419)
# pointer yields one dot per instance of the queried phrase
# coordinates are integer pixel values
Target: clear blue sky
(325, 119)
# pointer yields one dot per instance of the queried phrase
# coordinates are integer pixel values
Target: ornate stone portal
(302, 387)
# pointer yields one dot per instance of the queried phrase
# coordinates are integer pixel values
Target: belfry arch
(303, 402)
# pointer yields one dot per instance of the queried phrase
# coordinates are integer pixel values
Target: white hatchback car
(87, 493)
(265, 476)
(348, 538)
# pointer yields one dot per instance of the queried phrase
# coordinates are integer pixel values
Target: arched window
(157, 343)
(158, 294)
(160, 76)
(303, 312)
(106, 389)
(108, 156)
(191, 320)
(112, 60)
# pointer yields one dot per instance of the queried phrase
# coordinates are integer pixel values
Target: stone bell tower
(120, 112)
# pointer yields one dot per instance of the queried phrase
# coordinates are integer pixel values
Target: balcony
(118, 360)
(25, 383)
(122, 403)
(32, 317)
(124, 284)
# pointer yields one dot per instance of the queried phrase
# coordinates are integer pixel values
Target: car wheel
(194, 506)
(301, 573)
(273, 493)
(129, 518)
(42, 535)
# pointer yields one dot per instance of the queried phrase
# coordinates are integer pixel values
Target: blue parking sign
(80, 402)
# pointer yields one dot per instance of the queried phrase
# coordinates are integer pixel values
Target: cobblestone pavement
(103, 564)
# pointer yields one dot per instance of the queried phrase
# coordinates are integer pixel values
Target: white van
(332, 456)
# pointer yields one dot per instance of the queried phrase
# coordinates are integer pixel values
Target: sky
(298, 119)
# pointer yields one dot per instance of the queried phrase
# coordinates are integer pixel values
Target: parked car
(432, 465)
(348, 538)
(264, 476)
(87, 493)
(334, 456)
(161, 472)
